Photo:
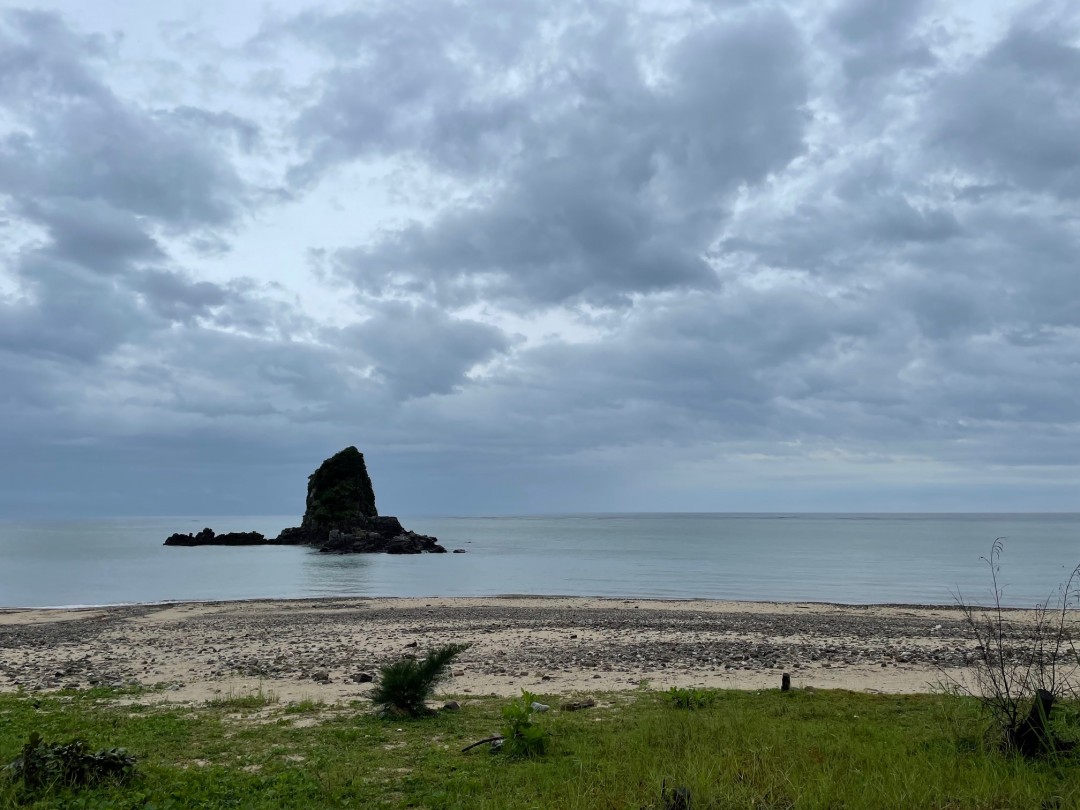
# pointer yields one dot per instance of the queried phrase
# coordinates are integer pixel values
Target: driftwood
(495, 738)
(578, 705)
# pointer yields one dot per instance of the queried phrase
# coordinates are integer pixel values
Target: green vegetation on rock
(339, 493)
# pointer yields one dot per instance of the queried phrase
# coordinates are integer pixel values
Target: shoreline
(10, 609)
(317, 648)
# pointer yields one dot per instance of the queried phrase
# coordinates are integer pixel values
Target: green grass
(797, 749)
(306, 706)
(251, 700)
(691, 698)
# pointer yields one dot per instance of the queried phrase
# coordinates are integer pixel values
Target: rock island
(340, 517)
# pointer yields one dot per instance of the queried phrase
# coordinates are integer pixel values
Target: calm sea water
(914, 559)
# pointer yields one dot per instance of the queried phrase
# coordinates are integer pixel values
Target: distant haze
(540, 256)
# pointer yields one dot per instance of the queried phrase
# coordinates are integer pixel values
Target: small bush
(691, 698)
(521, 736)
(405, 685)
(72, 765)
(1022, 668)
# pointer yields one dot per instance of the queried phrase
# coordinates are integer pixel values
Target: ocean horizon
(846, 558)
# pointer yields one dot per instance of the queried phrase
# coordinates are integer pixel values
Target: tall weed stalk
(1022, 664)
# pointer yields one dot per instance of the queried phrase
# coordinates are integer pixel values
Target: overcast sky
(540, 255)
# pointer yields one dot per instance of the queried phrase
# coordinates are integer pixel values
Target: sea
(929, 559)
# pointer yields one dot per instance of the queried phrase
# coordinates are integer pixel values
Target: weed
(306, 706)
(237, 701)
(71, 765)
(691, 698)
(521, 736)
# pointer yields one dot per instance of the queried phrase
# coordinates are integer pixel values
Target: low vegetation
(691, 698)
(797, 749)
(405, 686)
(522, 735)
(242, 700)
(43, 766)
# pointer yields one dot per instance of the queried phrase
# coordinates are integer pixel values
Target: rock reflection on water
(335, 574)
(400, 575)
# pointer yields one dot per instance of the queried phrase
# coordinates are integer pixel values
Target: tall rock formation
(339, 493)
(339, 517)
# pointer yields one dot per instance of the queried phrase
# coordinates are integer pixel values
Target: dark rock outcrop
(207, 538)
(340, 517)
(339, 494)
(380, 534)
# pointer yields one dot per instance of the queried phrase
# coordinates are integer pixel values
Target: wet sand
(319, 649)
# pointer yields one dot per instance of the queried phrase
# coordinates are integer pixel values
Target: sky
(540, 256)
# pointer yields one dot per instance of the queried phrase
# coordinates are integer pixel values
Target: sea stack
(339, 493)
(340, 517)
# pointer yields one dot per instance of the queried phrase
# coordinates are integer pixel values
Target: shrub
(521, 736)
(405, 685)
(691, 698)
(72, 764)
(1022, 667)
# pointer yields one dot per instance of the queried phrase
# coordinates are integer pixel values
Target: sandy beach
(320, 649)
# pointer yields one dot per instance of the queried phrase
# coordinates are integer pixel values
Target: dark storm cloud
(604, 182)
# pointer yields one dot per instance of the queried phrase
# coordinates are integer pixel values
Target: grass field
(799, 749)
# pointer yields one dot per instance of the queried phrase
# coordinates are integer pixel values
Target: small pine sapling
(405, 685)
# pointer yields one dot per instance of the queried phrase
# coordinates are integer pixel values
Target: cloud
(75, 138)
(67, 314)
(879, 41)
(595, 181)
(570, 255)
(101, 184)
(1011, 116)
(92, 233)
(419, 351)
(408, 76)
